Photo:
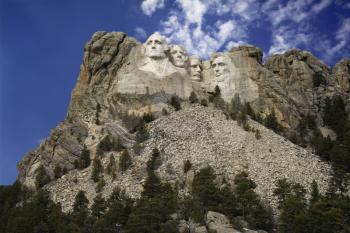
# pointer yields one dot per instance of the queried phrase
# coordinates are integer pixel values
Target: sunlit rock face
(121, 76)
(151, 69)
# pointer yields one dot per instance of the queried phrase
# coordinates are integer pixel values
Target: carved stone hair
(162, 38)
(216, 55)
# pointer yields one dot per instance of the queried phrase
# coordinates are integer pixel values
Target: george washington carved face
(156, 46)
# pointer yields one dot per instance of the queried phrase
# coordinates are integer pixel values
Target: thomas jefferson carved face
(195, 68)
(220, 66)
(178, 56)
(156, 46)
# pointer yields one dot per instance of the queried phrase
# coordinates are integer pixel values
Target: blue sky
(41, 47)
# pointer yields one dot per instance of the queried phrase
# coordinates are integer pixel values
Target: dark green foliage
(112, 167)
(148, 117)
(257, 214)
(154, 162)
(142, 133)
(257, 134)
(98, 111)
(131, 121)
(318, 79)
(157, 203)
(324, 213)
(175, 102)
(84, 160)
(81, 211)
(204, 102)
(292, 204)
(108, 144)
(335, 114)
(124, 161)
(315, 194)
(116, 213)
(217, 92)
(235, 107)
(41, 177)
(58, 172)
(193, 98)
(98, 207)
(100, 185)
(271, 122)
(306, 124)
(187, 166)
(97, 169)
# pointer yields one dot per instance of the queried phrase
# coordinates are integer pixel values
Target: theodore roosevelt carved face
(178, 55)
(156, 46)
(195, 68)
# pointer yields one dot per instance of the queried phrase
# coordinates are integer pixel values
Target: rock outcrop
(119, 79)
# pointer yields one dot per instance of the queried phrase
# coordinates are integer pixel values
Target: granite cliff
(121, 79)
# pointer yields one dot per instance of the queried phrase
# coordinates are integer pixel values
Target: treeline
(160, 208)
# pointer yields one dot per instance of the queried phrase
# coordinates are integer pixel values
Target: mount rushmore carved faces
(178, 55)
(195, 69)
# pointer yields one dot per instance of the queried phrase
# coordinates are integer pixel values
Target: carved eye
(221, 64)
(158, 42)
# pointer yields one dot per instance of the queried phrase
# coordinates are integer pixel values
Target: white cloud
(140, 33)
(194, 10)
(287, 37)
(317, 8)
(341, 45)
(148, 7)
(289, 23)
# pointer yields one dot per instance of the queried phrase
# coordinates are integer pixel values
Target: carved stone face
(195, 69)
(155, 46)
(178, 56)
(220, 66)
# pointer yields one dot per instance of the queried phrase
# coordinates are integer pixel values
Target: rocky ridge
(285, 83)
(206, 137)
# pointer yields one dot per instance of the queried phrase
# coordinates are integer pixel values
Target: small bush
(257, 134)
(58, 172)
(148, 117)
(165, 112)
(112, 167)
(100, 185)
(41, 178)
(187, 166)
(175, 102)
(204, 102)
(193, 98)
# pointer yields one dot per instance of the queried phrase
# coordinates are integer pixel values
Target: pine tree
(112, 167)
(85, 160)
(315, 194)
(97, 169)
(193, 98)
(98, 207)
(41, 177)
(124, 161)
(80, 210)
(175, 102)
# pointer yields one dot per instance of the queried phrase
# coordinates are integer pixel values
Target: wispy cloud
(290, 22)
(148, 7)
(140, 33)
